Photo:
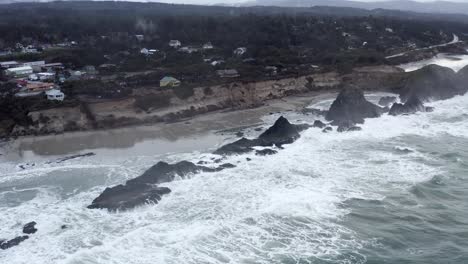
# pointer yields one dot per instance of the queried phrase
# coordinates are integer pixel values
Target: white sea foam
(455, 62)
(284, 208)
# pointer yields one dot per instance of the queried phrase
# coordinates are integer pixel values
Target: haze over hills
(406, 5)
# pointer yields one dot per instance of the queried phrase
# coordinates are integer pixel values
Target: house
(389, 30)
(217, 62)
(146, 51)
(168, 81)
(140, 37)
(207, 46)
(90, 70)
(175, 43)
(36, 65)
(19, 71)
(38, 86)
(46, 76)
(30, 49)
(240, 51)
(188, 49)
(9, 64)
(50, 67)
(230, 73)
(55, 95)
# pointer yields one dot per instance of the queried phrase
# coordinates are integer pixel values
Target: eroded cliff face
(234, 95)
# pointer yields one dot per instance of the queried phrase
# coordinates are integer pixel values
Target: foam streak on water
(285, 208)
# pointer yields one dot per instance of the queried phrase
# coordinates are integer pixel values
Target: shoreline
(212, 127)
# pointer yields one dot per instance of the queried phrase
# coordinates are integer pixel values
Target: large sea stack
(351, 107)
(432, 82)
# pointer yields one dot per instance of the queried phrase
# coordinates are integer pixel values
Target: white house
(140, 37)
(175, 43)
(240, 51)
(146, 51)
(9, 64)
(55, 94)
(188, 49)
(207, 46)
(19, 71)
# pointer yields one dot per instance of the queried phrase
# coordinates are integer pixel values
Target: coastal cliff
(148, 105)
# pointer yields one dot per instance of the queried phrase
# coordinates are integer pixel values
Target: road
(456, 39)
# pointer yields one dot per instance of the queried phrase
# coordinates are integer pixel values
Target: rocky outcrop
(30, 228)
(387, 100)
(319, 124)
(144, 189)
(13, 242)
(412, 105)
(282, 132)
(351, 107)
(431, 82)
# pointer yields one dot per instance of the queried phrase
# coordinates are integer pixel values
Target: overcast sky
(212, 1)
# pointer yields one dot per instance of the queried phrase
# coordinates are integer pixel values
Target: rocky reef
(145, 188)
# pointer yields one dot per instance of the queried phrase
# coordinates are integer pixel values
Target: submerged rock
(30, 228)
(319, 124)
(411, 106)
(387, 100)
(327, 129)
(13, 242)
(352, 107)
(265, 152)
(282, 132)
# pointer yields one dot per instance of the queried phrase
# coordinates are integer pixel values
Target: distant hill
(445, 7)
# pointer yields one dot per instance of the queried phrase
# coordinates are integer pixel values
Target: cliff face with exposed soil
(168, 106)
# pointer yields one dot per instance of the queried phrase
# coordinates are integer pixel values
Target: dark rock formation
(352, 107)
(123, 197)
(319, 124)
(314, 111)
(30, 228)
(354, 128)
(163, 172)
(13, 242)
(144, 189)
(387, 100)
(432, 82)
(327, 129)
(265, 152)
(282, 132)
(411, 106)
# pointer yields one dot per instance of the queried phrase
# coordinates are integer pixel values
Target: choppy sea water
(394, 192)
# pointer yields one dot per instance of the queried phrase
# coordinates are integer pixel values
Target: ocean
(394, 192)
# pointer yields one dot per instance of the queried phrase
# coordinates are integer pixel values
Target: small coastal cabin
(55, 95)
(240, 51)
(207, 46)
(175, 43)
(169, 82)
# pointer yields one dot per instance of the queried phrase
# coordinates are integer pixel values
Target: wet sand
(203, 132)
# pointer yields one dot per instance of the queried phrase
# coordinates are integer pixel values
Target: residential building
(19, 71)
(55, 95)
(175, 43)
(146, 51)
(50, 67)
(240, 51)
(9, 64)
(207, 46)
(188, 49)
(140, 37)
(169, 81)
(229, 73)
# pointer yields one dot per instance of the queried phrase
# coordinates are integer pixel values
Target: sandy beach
(199, 133)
